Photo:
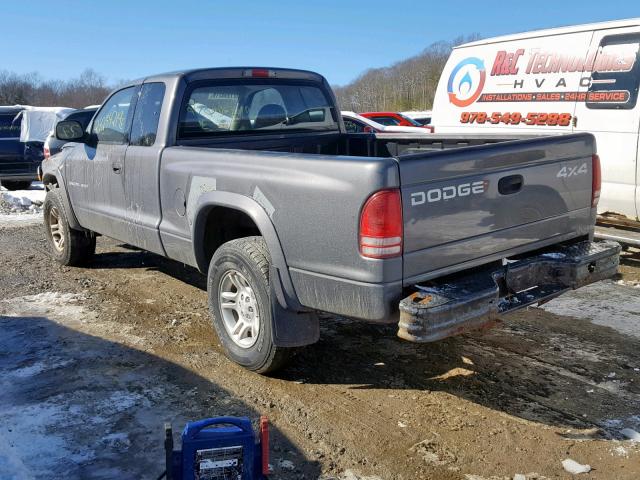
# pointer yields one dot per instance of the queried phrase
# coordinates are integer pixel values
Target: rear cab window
(251, 106)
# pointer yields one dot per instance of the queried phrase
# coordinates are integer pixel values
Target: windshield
(9, 126)
(249, 107)
(411, 120)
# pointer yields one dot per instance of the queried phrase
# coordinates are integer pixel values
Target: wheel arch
(51, 179)
(210, 206)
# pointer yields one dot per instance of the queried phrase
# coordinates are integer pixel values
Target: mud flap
(290, 328)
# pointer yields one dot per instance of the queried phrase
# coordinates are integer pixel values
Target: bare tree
(30, 89)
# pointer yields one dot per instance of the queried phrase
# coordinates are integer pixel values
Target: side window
(616, 73)
(111, 122)
(147, 115)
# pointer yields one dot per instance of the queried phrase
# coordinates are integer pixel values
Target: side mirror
(70, 131)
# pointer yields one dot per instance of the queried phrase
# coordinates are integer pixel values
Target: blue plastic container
(222, 448)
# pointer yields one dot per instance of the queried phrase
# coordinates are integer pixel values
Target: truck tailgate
(473, 205)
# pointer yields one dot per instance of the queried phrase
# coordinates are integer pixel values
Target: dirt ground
(94, 360)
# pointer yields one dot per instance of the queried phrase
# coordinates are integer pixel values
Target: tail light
(381, 225)
(596, 180)
(47, 152)
(264, 444)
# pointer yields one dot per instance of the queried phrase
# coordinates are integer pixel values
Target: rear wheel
(239, 300)
(68, 246)
(16, 184)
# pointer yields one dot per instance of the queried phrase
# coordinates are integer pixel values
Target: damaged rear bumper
(442, 310)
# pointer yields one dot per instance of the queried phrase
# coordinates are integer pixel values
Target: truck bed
(353, 144)
(330, 176)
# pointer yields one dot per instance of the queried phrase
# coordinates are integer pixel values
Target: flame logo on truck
(466, 82)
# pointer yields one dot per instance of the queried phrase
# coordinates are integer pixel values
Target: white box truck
(564, 80)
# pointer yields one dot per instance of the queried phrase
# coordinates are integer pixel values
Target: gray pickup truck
(248, 175)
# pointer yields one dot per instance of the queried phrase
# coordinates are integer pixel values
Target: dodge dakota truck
(249, 175)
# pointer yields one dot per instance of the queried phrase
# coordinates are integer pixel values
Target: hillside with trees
(89, 88)
(406, 85)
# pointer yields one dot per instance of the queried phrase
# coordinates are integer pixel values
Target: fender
(73, 221)
(293, 324)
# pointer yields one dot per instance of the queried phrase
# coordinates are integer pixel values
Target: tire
(236, 265)
(68, 246)
(16, 184)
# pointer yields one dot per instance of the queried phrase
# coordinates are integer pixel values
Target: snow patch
(118, 440)
(19, 219)
(17, 201)
(121, 401)
(39, 367)
(631, 434)
(603, 303)
(627, 428)
(554, 255)
(61, 305)
(574, 467)
(629, 283)
(286, 465)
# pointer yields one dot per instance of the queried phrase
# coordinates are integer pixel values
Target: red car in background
(394, 119)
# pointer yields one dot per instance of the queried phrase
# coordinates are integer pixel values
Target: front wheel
(239, 301)
(68, 246)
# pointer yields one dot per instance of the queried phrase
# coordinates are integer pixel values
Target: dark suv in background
(19, 161)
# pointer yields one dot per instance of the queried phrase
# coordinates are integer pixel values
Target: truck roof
(630, 22)
(234, 72)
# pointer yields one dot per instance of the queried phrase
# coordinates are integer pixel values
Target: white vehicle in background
(355, 123)
(52, 145)
(574, 79)
(423, 116)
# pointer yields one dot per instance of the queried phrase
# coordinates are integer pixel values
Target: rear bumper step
(443, 310)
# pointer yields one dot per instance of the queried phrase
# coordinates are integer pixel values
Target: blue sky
(340, 39)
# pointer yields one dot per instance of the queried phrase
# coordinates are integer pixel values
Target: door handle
(510, 184)
(117, 167)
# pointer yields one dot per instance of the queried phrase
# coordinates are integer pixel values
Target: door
(142, 170)
(95, 170)
(610, 110)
